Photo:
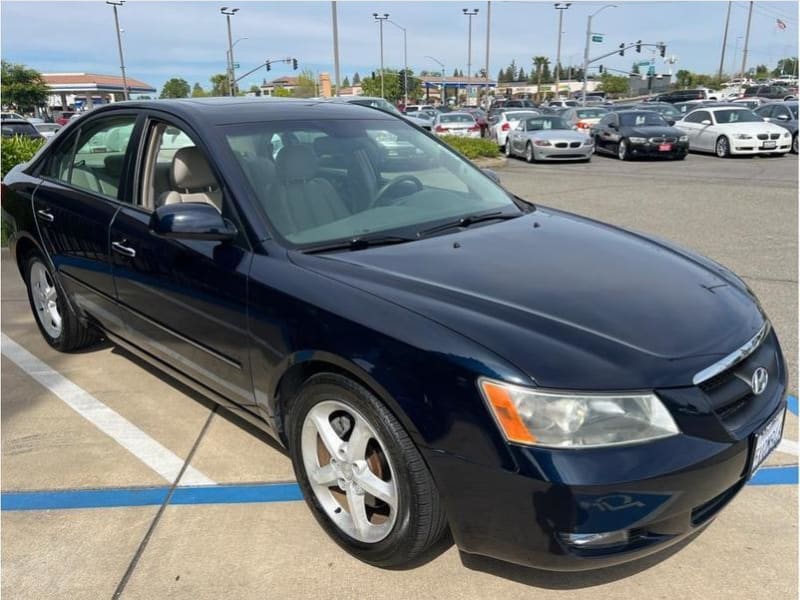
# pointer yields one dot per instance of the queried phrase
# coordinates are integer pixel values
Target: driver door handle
(119, 248)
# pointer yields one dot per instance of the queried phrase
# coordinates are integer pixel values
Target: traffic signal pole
(621, 51)
(268, 64)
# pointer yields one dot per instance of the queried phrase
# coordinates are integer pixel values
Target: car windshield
(665, 110)
(590, 113)
(456, 118)
(546, 123)
(736, 115)
(641, 119)
(322, 181)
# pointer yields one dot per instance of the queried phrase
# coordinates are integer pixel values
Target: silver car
(456, 123)
(548, 137)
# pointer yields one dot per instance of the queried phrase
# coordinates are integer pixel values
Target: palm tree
(539, 62)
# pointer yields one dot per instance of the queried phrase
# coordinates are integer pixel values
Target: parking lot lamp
(119, 45)
(229, 12)
(441, 66)
(586, 47)
(469, 13)
(560, 7)
(380, 19)
(405, 62)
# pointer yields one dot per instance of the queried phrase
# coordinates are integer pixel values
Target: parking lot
(119, 482)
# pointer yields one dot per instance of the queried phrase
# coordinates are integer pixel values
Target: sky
(162, 40)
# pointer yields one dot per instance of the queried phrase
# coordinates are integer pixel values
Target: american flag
(780, 24)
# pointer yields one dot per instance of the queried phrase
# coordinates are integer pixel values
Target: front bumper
(677, 150)
(755, 146)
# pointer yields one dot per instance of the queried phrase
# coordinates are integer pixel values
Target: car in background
(11, 115)
(751, 103)
(584, 117)
(665, 109)
(47, 130)
(64, 116)
(562, 103)
(413, 108)
(686, 95)
(773, 92)
(638, 133)
(548, 137)
(481, 117)
(730, 130)
(783, 114)
(19, 127)
(384, 105)
(506, 121)
(519, 104)
(461, 124)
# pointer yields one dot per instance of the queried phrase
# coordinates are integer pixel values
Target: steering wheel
(389, 185)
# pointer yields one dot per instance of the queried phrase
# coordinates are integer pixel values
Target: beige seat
(192, 180)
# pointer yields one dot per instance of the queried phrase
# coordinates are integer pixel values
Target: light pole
(441, 65)
(470, 14)
(335, 46)
(560, 7)
(746, 39)
(380, 19)
(229, 12)
(586, 47)
(405, 62)
(486, 68)
(119, 45)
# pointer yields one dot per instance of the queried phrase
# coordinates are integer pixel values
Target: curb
(490, 163)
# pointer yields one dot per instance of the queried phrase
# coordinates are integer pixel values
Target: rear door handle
(122, 249)
(45, 215)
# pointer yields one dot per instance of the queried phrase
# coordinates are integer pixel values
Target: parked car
(773, 92)
(412, 108)
(19, 127)
(384, 105)
(421, 375)
(783, 114)
(481, 117)
(11, 116)
(638, 133)
(505, 122)
(519, 104)
(64, 116)
(461, 124)
(562, 103)
(727, 130)
(666, 110)
(47, 130)
(751, 103)
(548, 137)
(584, 117)
(686, 95)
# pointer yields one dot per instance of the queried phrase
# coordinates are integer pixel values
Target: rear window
(590, 113)
(12, 129)
(457, 118)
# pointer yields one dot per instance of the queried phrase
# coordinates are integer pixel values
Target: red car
(480, 117)
(65, 116)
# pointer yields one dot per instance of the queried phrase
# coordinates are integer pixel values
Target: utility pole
(405, 62)
(586, 47)
(229, 12)
(746, 39)
(486, 68)
(560, 7)
(441, 65)
(335, 47)
(119, 45)
(470, 14)
(724, 42)
(380, 19)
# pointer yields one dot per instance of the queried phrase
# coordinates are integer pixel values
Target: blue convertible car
(434, 352)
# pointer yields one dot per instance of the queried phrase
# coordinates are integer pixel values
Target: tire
(529, 155)
(722, 147)
(596, 144)
(622, 149)
(794, 144)
(508, 152)
(58, 324)
(388, 536)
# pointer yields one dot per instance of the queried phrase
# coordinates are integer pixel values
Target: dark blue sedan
(433, 351)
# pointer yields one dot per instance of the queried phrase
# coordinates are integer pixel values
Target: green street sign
(235, 65)
(643, 63)
(597, 38)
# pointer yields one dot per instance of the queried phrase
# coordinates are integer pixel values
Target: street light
(405, 62)
(119, 45)
(560, 7)
(380, 19)
(441, 65)
(229, 12)
(588, 41)
(470, 14)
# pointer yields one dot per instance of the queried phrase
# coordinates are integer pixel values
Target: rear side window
(698, 117)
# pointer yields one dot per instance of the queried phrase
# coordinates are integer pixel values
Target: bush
(472, 147)
(16, 150)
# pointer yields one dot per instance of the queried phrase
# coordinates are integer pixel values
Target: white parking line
(789, 447)
(162, 460)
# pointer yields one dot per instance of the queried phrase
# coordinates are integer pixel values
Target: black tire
(529, 155)
(597, 144)
(420, 519)
(73, 335)
(507, 151)
(722, 147)
(622, 149)
(794, 144)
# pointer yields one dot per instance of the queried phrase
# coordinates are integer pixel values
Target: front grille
(763, 136)
(774, 136)
(561, 144)
(575, 144)
(663, 140)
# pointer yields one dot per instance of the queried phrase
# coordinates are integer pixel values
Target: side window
(92, 160)
(697, 117)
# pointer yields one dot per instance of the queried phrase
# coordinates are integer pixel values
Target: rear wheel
(622, 150)
(508, 151)
(722, 148)
(529, 155)
(794, 144)
(362, 476)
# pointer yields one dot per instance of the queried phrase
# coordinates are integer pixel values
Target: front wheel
(794, 144)
(508, 151)
(529, 155)
(622, 150)
(362, 476)
(722, 147)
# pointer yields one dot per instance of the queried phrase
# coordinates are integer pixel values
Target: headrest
(325, 145)
(296, 163)
(113, 164)
(190, 170)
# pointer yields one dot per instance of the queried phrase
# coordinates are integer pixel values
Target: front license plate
(769, 145)
(767, 440)
(664, 147)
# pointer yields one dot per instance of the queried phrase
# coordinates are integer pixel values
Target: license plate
(767, 440)
(770, 144)
(664, 147)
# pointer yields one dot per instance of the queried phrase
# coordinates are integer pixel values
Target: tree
(539, 63)
(786, 66)
(762, 71)
(23, 87)
(684, 78)
(198, 91)
(521, 75)
(175, 88)
(281, 92)
(391, 85)
(346, 82)
(219, 85)
(356, 78)
(501, 76)
(306, 84)
(613, 84)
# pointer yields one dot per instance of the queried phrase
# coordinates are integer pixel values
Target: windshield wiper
(466, 221)
(358, 243)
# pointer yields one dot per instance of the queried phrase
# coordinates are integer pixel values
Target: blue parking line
(775, 476)
(791, 403)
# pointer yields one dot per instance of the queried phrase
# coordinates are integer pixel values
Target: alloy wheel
(529, 153)
(45, 299)
(622, 150)
(349, 471)
(794, 144)
(722, 147)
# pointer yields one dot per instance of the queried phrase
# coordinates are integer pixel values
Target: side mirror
(783, 117)
(612, 125)
(671, 122)
(705, 122)
(191, 221)
(765, 119)
(492, 175)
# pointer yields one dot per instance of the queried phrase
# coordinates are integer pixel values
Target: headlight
(743, 136)
(588, 142)
(575, 420)
(541, 143)
(683, 138)
(785, 134)
(637, 140)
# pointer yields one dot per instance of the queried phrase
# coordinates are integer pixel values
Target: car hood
(652, 131)
(752, 128)
(568, 135)
(573, 303)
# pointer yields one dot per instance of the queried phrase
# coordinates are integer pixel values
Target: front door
(184, 301)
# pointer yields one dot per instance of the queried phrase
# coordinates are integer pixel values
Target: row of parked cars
(13, 124)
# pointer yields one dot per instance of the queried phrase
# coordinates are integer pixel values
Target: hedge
(16, 150)
(472, 147)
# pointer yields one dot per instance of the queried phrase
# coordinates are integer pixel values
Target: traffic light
(639, 46)
(600, 68)
(269, 66)
(622, 49)
(294, 64)
(662, 48)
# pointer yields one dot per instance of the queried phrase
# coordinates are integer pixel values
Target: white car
(456, 123)
(48, 130)
(726, 130)
(500, 126)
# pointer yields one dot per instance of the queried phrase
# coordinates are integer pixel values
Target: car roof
(17, 121)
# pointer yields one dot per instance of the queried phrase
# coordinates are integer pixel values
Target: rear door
(82, 188)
